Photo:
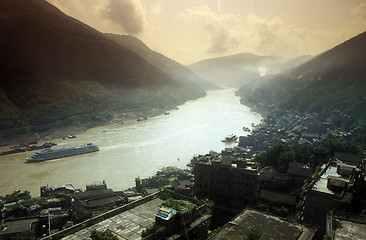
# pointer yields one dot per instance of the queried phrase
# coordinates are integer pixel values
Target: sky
(188, 31)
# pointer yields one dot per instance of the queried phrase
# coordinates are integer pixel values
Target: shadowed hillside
(56, 71)
(174, 70)
(333, 83)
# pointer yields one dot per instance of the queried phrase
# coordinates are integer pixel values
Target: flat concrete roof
(270, 227)
(350, 230)
(321, 184)
(128, 224)
(17, 225)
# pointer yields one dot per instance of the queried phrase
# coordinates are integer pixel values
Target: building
(229, 182)
(266, 226)
(327, 192)
(97, 195)
(11, 227)
(348, 158)
(297, 174)
(47, 191)
(343, 226)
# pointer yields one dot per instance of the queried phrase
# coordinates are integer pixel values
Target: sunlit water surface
(137, 148)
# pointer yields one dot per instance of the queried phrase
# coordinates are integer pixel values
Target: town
(297, 176)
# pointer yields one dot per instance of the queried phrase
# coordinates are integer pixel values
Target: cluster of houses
(59, 207)
(318, 199)
(291, 128)
(328, 202)
(304, 203)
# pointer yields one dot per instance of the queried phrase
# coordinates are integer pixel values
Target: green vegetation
(156, 181)
(102, 235)
(15, 197)
(82, 214)
(334, 145)
(165, 194)
(58, 105)
(182, 206)
(203, 159)
(281, 155)
(154, 229)
(316, 172)
(346, 201)
(339, 101)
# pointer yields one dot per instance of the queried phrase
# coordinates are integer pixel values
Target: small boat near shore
(246, 129)
(230, 138)
(143, 118)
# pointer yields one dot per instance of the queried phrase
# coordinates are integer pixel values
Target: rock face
(56, 71)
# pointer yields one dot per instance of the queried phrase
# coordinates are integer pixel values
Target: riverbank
(134, 148)
(126, 117)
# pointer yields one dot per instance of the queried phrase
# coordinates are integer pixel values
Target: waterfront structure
(47, 191)
(226, 180)
(49, 154)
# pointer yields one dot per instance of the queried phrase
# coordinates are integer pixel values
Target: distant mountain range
(333, 82)
(239, 69)
(56, 71)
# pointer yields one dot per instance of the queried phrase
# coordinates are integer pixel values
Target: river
(135, 148)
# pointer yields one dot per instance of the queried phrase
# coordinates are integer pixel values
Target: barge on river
(55, 153)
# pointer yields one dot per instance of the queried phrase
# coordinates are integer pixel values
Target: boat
(230, 138)
(141, 119)
(49, 154)
(246, 129)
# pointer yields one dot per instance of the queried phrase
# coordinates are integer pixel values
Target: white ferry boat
(49, 154)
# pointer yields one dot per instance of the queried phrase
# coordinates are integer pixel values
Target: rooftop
(16, 226)
(128, 224)
(270, 227)
(346, 230)
(321, 184)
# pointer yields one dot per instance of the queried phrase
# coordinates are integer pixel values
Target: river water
(136, 148)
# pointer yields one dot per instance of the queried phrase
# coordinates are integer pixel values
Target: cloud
(217, 26)
(230, 34)
(127, 14)
(360, 13)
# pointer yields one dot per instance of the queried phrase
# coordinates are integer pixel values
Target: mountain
(333, 83)
(56, 71)
(232, 71)
(240, 69)
(171, 68)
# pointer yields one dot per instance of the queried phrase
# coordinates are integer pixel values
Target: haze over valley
(58, 72)
(206, 113)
